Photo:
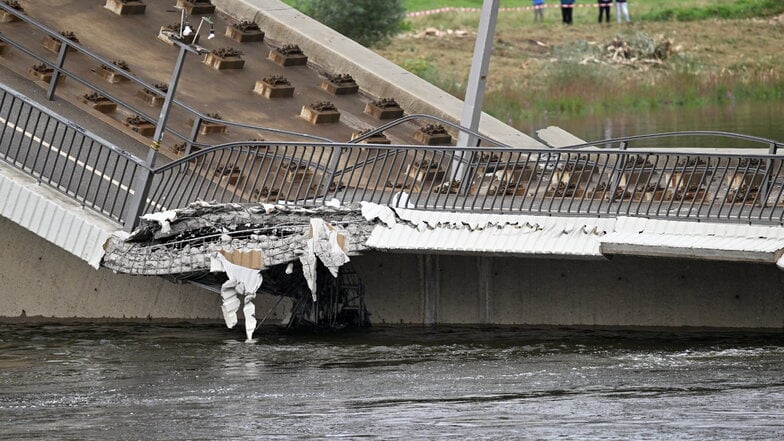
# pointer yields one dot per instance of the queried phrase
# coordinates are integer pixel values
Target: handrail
(109, 145)
(627, 139)
(669, 184)
(385, 151)
(416, 116)
(179, 162)
(65, 156)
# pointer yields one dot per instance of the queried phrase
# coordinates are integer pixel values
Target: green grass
(734, 10)
(640, 11)
(423, 5)
(570, 88)
(645, 9)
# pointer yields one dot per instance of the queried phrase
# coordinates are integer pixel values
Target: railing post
(143, 182)
(468, 172)
(193, 136)
(766, 183)
(334, 161)
(615, 178)
(141, 185)
(56, 74)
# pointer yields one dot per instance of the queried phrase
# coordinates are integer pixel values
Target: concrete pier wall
(40, 279)
(623, 291)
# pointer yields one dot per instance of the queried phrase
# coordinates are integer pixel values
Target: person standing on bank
(566, 11)
(604, 9)
(621, 8)
(538, 10)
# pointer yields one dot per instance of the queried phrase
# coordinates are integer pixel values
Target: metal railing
(609, 182)
(66, 157)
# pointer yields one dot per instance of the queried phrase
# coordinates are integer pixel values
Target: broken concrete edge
(390, 228)
(376, 75)
(272, 235)
(242, 281)
(352, 230)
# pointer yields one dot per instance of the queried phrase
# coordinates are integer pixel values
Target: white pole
(477, 79)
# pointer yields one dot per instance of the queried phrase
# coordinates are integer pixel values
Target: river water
(187, 381)
(758, 119)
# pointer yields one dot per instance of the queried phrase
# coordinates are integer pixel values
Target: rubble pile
(639, 50)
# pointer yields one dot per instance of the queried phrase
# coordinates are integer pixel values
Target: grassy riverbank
(645, 10)
(551, 68)
(674, 53)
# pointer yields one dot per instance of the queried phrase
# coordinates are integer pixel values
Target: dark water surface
(173, 382)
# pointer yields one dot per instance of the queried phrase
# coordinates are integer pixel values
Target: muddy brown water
(185, 381)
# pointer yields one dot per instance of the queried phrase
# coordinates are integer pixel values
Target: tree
(365, 21)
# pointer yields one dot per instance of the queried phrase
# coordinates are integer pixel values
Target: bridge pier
(624, 291)
(485, 278)
(428, 273)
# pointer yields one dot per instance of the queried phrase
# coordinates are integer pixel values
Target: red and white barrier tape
(516, 9)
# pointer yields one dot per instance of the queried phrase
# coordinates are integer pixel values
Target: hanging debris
(243, 250)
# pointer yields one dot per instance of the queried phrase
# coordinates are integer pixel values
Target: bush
(365, 21)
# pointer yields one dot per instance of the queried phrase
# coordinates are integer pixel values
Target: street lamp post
(475, 91)
(144, 178)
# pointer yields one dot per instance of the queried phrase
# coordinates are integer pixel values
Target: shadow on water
(577, 339)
